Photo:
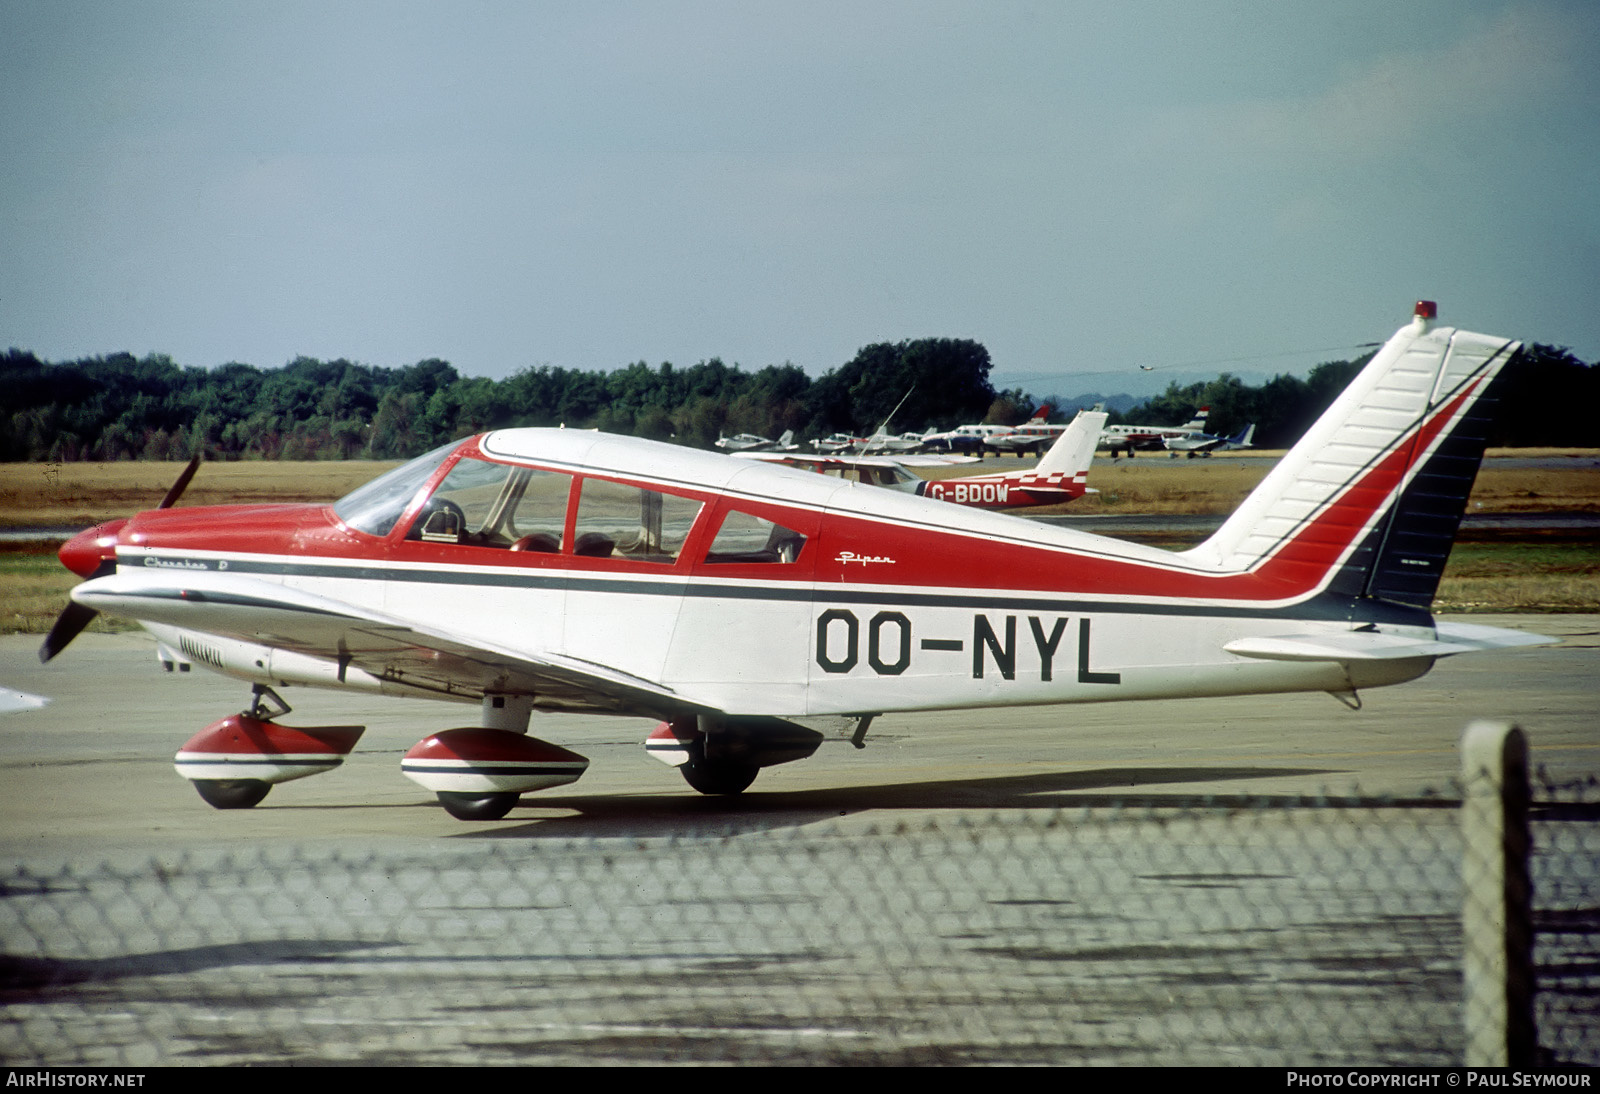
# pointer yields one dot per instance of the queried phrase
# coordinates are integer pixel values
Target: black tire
(717, 778)
(231, 793)
(478, 807)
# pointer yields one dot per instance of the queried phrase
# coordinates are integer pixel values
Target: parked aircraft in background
(1034, 435)
(883, 444)
(1128, 438)
(837, 442)
(1059, 477)
(890, 472)
(750, 442)
(966, 438)
(751, 608)
(1203, 444)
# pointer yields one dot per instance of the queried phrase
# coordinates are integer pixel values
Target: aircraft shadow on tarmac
(694, 814)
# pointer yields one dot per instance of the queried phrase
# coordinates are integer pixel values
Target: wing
(390, 648)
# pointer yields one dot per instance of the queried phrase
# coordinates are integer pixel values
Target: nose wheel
(234, 762)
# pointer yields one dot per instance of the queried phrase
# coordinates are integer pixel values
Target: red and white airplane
(750, 607)
(1061, 476)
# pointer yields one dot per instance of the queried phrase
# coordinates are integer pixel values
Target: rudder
(1373, 494)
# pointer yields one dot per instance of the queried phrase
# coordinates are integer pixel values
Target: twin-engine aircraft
(1032, 436)
(1129, 438)
(750, 607)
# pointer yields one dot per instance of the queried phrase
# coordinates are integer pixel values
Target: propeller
(92, 553)
(175, 491)
(69, 624)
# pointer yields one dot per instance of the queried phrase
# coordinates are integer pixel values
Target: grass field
(1155, 484)
(1530, 574)
(1525, 576)
(76, 495)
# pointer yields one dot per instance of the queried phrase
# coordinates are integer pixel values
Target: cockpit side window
(375, 507)
(629, 522)
(484, 504)
(745, 537)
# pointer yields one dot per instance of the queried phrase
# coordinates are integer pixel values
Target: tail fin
(1198, 422)
(1372, 495)
(1073, 451)
(1243, 438)
(1041, 415)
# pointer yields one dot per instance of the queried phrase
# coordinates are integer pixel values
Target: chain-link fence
(1292, 932)
(1565, 873)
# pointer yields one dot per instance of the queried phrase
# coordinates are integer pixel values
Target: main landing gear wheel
(478, 806)
(717, 778)
(232, 793)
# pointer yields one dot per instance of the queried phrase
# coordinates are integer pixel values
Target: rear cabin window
(745, 537)
(629, 522)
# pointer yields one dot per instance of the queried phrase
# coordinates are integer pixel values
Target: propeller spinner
(93, 553)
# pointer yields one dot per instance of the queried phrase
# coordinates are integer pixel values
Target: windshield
(375, 507)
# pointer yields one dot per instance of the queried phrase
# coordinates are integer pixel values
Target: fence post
(1497, 927)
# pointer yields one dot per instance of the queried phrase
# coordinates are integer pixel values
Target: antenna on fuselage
(883, 430)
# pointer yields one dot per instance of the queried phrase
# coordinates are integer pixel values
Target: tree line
(118, 406)
(1547, 397)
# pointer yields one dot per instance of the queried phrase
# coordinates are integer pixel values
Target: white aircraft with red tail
(750, 607)
(1061, 476)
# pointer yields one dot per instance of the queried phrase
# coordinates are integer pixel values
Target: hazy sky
(1083, 187)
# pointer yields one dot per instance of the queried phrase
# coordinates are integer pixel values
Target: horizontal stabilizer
(1379, 646)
